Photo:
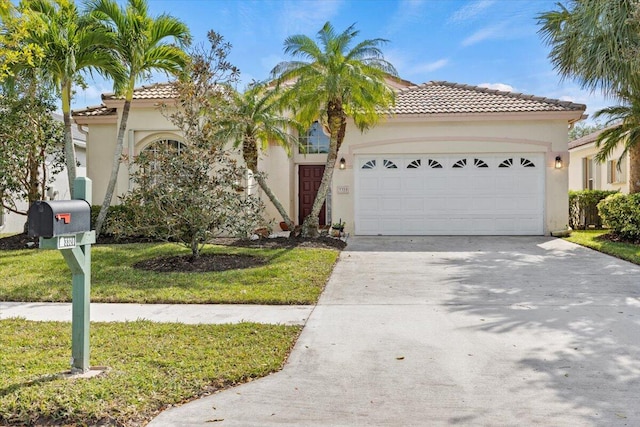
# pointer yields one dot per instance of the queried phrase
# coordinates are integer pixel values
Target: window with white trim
(588, 173)
(161, 147)
(615, 172)
(314, 141)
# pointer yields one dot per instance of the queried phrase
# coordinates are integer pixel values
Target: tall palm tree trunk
(337, 125)
(250, 155)
(115, 167)
(634, 168)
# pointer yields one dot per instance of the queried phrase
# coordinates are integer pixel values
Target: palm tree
(598, 43)
(68, 46)
(334, 81)
(259, 123)
(142, 44)
(624, 127)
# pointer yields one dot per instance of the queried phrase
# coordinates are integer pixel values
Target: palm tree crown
(335, 76)
(142, 43)
(334, 80)
(596, 42)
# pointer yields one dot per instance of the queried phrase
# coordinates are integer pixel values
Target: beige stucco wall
(146, 124)
(422, 135)
(600, 173)
(463, 134)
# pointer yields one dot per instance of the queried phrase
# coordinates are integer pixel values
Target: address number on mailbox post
(66, 242)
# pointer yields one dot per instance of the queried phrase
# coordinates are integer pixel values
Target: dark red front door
(310, 177)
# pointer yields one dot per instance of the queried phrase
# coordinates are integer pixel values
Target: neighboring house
(587, 174)
(57, 190)
(449, 159)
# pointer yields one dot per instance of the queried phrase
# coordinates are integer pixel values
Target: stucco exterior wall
(100, 157)
(280, 175)
(398, 135)
(576, 178)
(418, 136)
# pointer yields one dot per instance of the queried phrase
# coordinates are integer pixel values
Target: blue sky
(491, 43)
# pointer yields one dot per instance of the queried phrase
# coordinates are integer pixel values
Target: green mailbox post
(66, 225)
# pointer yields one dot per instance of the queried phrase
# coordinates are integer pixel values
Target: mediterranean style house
(587, 174)
(447, 159)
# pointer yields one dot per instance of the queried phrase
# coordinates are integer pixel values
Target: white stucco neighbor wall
(576, 178)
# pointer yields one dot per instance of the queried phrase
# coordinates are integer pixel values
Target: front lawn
(591, 239)
(152, 365)
(291, 276)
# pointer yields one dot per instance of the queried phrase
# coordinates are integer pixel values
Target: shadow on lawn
(586, 306)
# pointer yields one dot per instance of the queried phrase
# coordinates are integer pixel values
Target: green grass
(291, 276)
(151, 365)
(589, 238)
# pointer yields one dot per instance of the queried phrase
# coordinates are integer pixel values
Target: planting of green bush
(621, 213)
(117, 215)
(583, 210)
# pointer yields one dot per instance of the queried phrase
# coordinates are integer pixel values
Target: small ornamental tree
(195, 194)
(31, 147)
(189, 198)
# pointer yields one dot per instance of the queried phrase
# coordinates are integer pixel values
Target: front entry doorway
(309, 177)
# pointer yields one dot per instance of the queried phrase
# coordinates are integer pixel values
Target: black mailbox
(59, 217)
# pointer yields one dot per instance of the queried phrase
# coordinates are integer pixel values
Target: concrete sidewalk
(181, 313)
(435, 331)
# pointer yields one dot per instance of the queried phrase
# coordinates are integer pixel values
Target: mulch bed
(201, 264)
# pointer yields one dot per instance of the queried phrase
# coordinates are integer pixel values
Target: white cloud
(429, 67)
(306, 17)
(470, 11)
(485, 33)
(407, 12)
(498, 86)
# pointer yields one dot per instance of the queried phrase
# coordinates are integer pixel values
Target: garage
(453, 194)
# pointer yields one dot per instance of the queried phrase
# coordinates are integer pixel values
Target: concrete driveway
(429, 331)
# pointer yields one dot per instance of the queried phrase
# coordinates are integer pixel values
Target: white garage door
(467, 194)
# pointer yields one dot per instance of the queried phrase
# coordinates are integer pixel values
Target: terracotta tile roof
(96, 111)
(588, 139)
(440, 97)
(154, 91)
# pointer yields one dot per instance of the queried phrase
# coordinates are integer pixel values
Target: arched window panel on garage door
(506, 163)
(369, 164)
(415, 164)
(479, 163)
(460, 164)
(527, 163)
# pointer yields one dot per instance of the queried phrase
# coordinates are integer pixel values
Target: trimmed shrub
(115, 217)
(621, 213)
(583, 208)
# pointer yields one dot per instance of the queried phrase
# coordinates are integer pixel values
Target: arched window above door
(171, 145)
(314, 141)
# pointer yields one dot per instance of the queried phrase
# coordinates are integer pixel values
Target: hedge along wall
(621, 213)
(583, 208)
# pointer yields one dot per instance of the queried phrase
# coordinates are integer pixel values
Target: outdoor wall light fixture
(558, 162)
(343, 163)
